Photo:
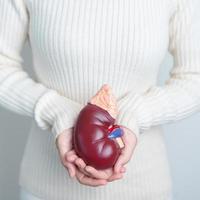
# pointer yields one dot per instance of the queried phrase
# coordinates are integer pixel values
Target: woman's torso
(77, 46)
(121, 43)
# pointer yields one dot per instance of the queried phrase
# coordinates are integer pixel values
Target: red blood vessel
(94, 137)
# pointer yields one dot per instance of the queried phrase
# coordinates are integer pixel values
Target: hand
(111, 174)
(64, 146)
(130, 141)
(107, 174)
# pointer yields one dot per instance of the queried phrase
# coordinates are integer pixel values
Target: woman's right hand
(65, 150)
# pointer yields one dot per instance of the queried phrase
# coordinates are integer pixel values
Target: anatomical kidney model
(96, 139)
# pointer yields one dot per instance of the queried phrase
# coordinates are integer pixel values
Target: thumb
(122, 160)
(125, 155)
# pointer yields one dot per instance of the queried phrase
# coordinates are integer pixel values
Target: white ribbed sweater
(78, 46)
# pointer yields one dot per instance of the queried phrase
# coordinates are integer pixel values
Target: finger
(123, 169)
(81, 165)
(115, 177)
(96, 173)
(71, 152)
(83, 179)
(71, 169)
(124, 157)
(71, 156)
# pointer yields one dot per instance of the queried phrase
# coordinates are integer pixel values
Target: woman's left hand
(130, 141)
(116, 172)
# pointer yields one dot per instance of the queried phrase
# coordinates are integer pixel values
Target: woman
(77, 47)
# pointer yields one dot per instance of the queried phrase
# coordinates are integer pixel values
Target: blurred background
(182, 140)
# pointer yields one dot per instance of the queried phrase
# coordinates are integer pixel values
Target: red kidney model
(95, 137)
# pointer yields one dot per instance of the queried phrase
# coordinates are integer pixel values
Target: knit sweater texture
(79, 45)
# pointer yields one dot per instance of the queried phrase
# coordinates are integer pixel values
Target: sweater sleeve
(179, 97)
(18, 92)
